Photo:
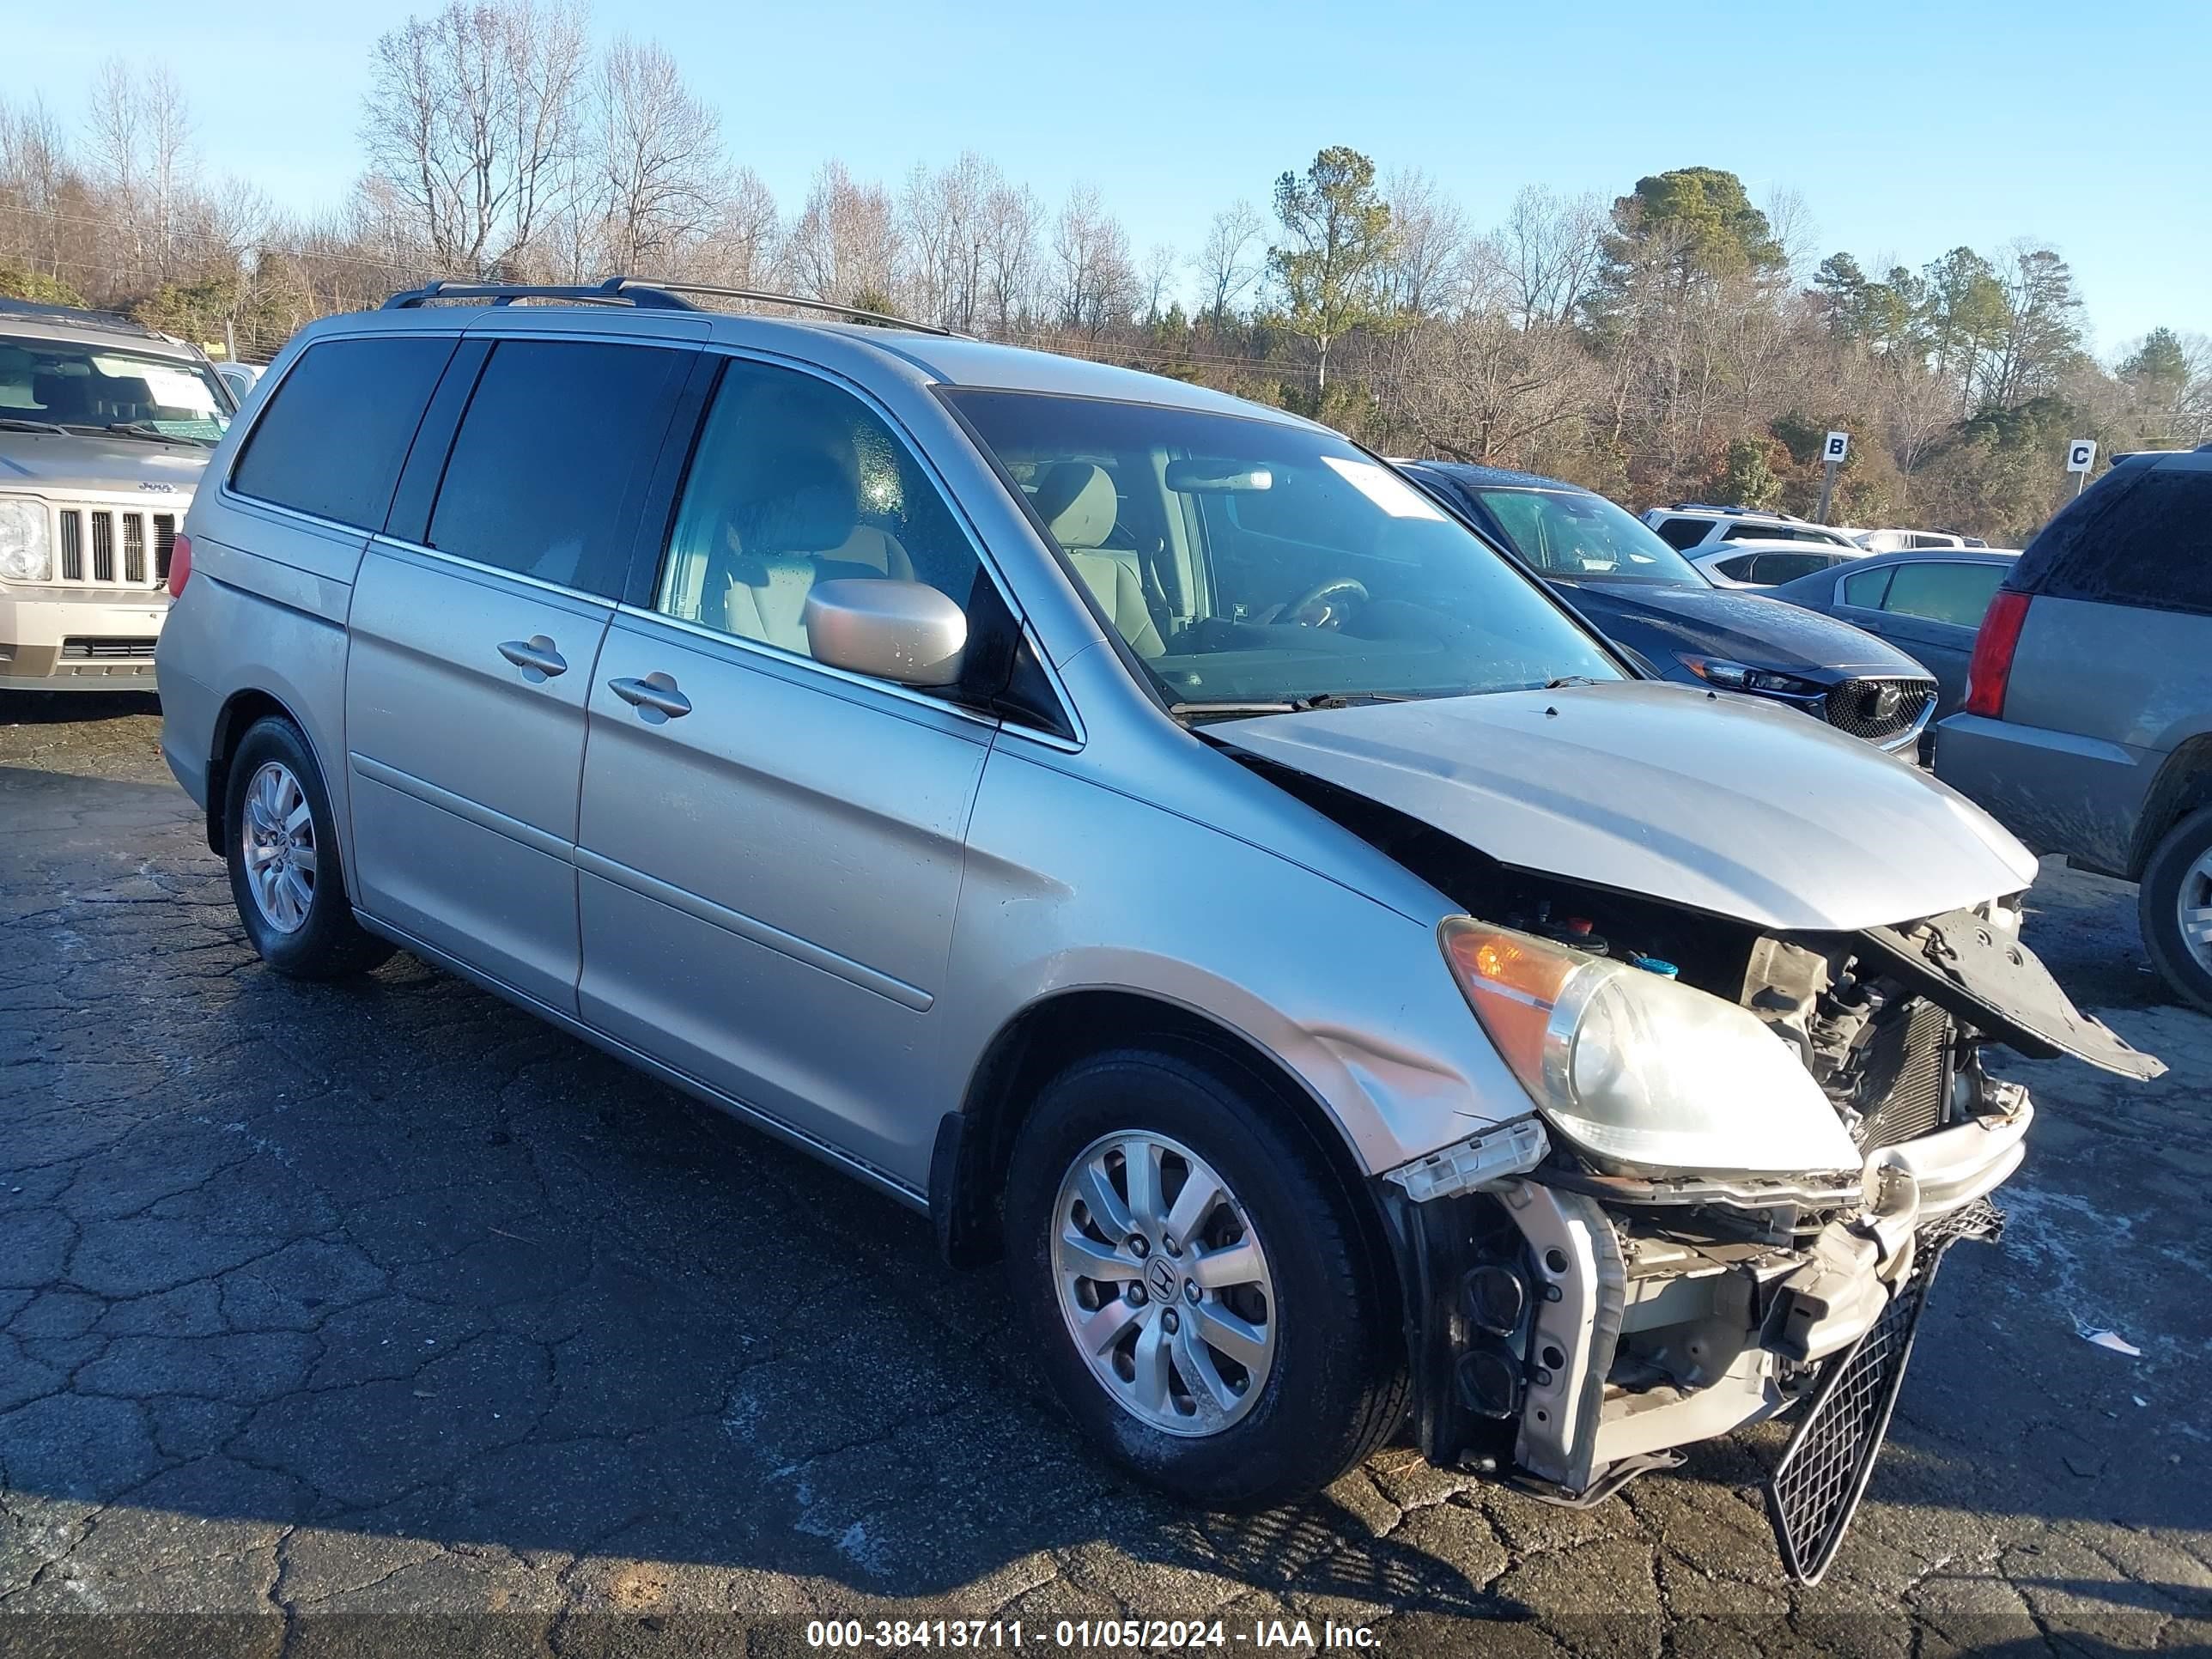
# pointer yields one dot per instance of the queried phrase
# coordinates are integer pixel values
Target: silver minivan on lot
(1141, 832)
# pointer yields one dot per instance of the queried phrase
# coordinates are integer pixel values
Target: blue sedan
(1927, 602)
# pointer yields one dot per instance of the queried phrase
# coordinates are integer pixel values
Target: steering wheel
(1350, 586)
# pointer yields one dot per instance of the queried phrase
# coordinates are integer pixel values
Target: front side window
(1570, 534)
(1739, 569)
(1243, 560)
(1941, 591)
(87, 388)
(794, 482)
(548, 470)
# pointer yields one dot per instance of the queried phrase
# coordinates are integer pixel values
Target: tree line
(1677, 341)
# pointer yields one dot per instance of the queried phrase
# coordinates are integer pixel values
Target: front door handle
(535, 657)
(655, 697)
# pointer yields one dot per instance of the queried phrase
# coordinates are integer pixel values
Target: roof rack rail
(644, 293)
(46, 310)
(1740, 511)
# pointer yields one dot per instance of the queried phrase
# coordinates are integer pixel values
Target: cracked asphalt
(380, 1318)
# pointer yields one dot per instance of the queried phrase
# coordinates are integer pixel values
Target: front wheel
(1204, 1300)
(2175, 906)
(282, 846)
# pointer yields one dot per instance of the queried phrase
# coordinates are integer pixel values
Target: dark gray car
(2088, 724)
(1928, 603)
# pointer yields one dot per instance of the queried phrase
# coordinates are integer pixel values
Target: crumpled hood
(1722, 802)
(1747, 628)
(52, 464)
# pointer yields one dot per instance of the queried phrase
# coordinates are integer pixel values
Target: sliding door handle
(535, 656)
(654, 695)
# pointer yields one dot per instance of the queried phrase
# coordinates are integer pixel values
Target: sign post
(1832, 454)
(2081, 456)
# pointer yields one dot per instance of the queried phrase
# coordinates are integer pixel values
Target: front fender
(1070, 887)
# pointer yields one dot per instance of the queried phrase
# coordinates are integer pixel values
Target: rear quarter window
(332, 439)
(1681, 533)
(2142, 536)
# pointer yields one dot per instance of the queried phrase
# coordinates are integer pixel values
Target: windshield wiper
(1228, 709)
(1568, 679)
(13, 424)
(1348, 699)
(1238, 708)
(148, 430)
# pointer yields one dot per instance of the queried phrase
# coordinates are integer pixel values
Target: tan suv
(105, 428)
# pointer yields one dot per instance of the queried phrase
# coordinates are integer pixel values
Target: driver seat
(1079, 505)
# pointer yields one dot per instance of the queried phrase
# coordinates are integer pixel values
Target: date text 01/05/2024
(1163, 1635)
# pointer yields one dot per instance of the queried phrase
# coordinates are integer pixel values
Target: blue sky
(1907, 130)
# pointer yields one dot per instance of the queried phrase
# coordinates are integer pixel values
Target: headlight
(1740, 677)
(1639, 1070)
(25, 556)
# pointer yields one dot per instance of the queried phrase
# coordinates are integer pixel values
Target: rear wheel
(283, 852)
(1205, 1303)
(2175, 905)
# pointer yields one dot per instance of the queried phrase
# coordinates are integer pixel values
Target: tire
(1329, 1386)
(302, 925)
(2178, 878)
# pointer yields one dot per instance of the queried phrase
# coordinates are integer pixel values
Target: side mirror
(905, 632)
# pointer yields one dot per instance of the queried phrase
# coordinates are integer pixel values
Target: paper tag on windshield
(1386, 489)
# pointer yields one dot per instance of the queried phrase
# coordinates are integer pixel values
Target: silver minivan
(1138, 829)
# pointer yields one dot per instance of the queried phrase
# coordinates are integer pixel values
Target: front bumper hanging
(1815, 1489)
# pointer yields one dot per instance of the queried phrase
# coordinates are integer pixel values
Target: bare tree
(1546, 259)
(1161, 264)
(1426, 272)
(845, 247)
(1232, 259)
(1095, 285)
(745, 249)
(1478, 388)
(945, 214)
(471, 123)
(655, 183)
(37, 183)
(1013, 227)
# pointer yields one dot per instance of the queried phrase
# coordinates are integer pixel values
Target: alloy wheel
(1163, 1283)
(278, 842)
(2194, 905)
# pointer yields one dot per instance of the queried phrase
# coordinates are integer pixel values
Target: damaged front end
(1577, 1316)
(1759, 1114)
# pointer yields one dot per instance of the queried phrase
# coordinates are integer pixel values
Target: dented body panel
(1722, 804)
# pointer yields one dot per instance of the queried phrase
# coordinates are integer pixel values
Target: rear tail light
(180, 565)
(1994, 645)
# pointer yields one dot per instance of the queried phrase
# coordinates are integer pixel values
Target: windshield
(1256, 561)
(1572, 535)
(81, 387)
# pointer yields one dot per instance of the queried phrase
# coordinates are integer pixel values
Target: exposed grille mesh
(107, 650)
(1914, 1103)
(1816, 1488)
(1878, 709)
